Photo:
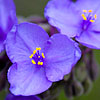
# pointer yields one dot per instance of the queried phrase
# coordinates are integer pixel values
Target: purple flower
(7, 19)
(37, 59)
(13, 97)
(80, 20)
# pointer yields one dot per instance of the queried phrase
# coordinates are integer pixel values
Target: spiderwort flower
(7, 19)
(80, 20)
(37, 59)
(13, 97)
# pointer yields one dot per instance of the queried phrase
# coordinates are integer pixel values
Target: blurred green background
(36, 7)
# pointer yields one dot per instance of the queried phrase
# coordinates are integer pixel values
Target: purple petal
(7, 18)
(90, 39)
(86, 5)
(27, 79)
(13, 97)
(95, 26)
(77, 53)
(23, 40)
(1, 46)
(62, 15)
(60, 56)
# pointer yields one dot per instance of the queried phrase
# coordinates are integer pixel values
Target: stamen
(84, 11)
(34, 51)
(38, 48)
(89, 11)
(43, 55)
(84, 17)
(33, 62)
(95, 16)
(31, 56)
(38, 56)
(40, 63)
(92, 21)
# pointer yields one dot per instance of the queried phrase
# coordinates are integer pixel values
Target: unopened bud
(68, 91)
(21, 19)
(93, 71)
(80, 73)
(45, 26)
(2, 80)
(77, 88)
(87, 84)
(66, 77)
(36, 19)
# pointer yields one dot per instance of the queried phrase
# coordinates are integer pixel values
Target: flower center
(88, 18)
(37, 57)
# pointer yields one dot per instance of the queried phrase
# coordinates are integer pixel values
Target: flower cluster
(38, 59)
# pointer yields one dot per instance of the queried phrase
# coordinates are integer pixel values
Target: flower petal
(86, 5)
(61, 14)
(7, 19)
(26, 79)
(7, 15)
(90, 39)
(60, 56)
(13, 97)
(23, 40)
(1, 46)
(95, 26)
(77, 53)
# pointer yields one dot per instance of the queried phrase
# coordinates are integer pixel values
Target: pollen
(87, 15)
(84, 17)
(40, 63)
(89, 11)
(34, 51)
(92, 21)
(84, 11)
(33, 62)
(38, 56)
(95, 16)
(43, 55)
(31, 56)
(38, 48)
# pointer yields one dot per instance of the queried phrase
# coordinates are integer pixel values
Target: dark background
(36, 7)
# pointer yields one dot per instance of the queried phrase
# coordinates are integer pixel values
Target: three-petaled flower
(80, 19)
(38, 60)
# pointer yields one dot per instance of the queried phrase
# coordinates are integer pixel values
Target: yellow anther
(34, 51)
(38, 56)
(89, 11)
(40, 63)
(85, 11)
(92, 21)
(43, 55)
(38, 48)
(95, 16)
(84, 17)
(33, 62)
(31, 56)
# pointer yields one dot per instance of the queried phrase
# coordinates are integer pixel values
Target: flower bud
(80, 73)
(2, 80)
(87, 84)
(77, 88)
